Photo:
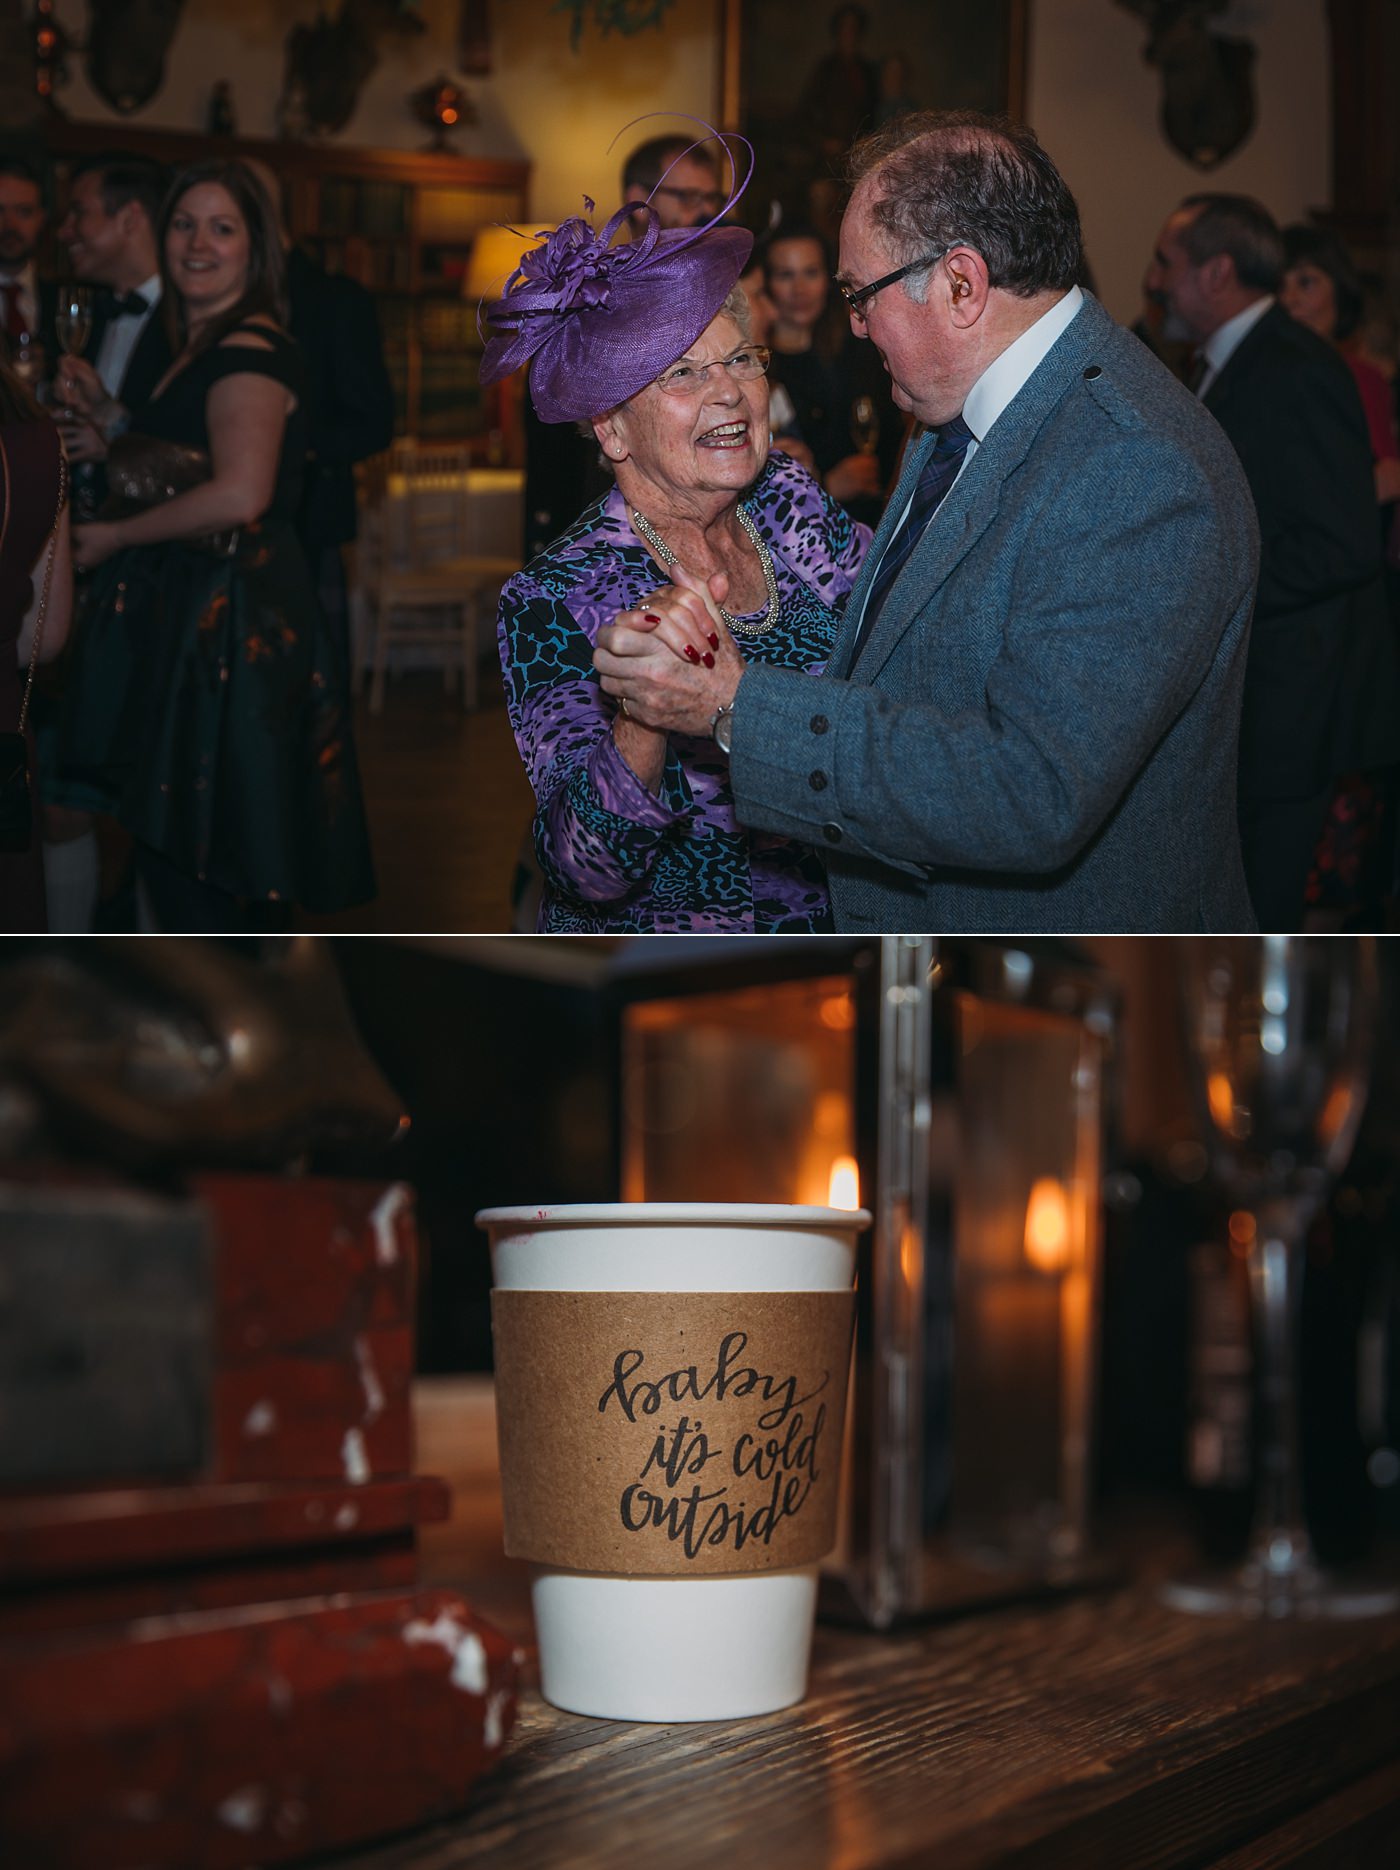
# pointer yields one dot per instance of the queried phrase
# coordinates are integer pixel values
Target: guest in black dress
(206, 700)
(835, 382)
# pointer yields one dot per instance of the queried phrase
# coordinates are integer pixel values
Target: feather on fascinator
(598, 321)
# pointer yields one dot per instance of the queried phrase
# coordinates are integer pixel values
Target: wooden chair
(425, 589)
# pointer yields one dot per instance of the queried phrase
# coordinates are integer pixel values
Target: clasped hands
(673, 660)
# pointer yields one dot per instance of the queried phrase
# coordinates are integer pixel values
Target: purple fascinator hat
(596, 322)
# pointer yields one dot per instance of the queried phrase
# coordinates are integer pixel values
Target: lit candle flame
(843, 1190)
(1047, 1226)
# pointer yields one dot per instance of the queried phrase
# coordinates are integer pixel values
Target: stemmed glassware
(865, 425)
(1279, 1031)
(73, 319)
(73, 325)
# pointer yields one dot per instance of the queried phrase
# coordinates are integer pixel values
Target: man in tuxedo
(26, 301)
(1320, 693)
(1030, 715)
(109, 229)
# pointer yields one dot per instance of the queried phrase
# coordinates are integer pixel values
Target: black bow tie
(126, 305)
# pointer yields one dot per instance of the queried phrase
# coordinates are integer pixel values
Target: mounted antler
(127, 41)
(327, 63)
(1207, 80)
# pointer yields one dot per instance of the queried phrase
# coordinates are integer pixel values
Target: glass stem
(1279, 1542)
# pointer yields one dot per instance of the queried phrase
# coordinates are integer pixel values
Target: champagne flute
(1279, 1032)
(73, 327)
(73, 320)
(865, 425)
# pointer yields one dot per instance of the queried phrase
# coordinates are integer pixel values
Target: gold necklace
(765, 559)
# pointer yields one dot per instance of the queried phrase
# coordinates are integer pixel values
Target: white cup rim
(674, 1213)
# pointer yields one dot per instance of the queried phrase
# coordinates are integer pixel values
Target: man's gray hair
(946, 178)
(1241, 227)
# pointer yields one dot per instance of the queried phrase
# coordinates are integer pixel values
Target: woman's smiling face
(798, 280)
(207, 249)
(710, 439)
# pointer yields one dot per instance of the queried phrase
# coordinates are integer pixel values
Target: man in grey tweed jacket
(1035, 726)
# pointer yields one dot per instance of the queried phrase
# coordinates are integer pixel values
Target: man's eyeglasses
(857, 297)
(688, 379)
(710, 199)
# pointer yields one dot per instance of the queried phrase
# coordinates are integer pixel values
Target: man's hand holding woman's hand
(672, 660)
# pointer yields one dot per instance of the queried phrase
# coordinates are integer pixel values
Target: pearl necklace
(765, 560)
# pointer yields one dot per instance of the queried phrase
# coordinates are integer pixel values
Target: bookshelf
(401, 223)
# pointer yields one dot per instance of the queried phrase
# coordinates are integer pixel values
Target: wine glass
(865, 425)
(1279, 1031)
(73, 319)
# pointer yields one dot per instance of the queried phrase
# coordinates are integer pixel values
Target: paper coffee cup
(671, 1383)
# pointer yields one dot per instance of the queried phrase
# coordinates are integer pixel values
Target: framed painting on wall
(803, 82)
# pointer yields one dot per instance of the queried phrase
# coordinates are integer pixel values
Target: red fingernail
(714, 640)
(650, 616)
(708, 660)
(692, 652)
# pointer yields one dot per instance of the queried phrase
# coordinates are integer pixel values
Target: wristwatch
(722, 726)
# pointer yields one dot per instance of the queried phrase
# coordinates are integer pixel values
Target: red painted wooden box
(212, 1647)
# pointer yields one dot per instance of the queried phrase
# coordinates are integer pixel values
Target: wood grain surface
(1100, 1731)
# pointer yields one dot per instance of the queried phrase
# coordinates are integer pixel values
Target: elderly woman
(649, 342)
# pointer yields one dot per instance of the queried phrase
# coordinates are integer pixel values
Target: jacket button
(832, 833)
(1093, 371)
(819, 724)
(817, 780)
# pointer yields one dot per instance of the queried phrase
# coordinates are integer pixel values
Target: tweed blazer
(1040, 733)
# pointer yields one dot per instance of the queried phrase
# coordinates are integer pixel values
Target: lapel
(914, 456)
(971, 503)
(99, 326)
(1259, 338)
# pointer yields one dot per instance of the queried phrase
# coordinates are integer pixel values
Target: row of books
(379, 210)
(381, 268)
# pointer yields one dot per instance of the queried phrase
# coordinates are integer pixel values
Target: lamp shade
(495, 255)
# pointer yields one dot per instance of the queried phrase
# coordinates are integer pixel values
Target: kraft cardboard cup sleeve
(671, 1394)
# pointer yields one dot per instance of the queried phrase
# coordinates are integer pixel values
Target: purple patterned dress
(617, 857)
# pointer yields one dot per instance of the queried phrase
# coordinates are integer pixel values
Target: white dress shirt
(1002, 381)
(1226, 339)
(121, 337)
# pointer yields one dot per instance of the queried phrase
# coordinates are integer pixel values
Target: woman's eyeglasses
(688, 379)
(858, 297)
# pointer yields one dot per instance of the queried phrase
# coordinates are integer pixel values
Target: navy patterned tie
(937, 476)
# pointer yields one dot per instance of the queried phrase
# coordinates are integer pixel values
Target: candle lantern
(955, 1088)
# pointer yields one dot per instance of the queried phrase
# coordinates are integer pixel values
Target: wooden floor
(448, 805)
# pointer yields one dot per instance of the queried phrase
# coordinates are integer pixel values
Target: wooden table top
(1104, 1731)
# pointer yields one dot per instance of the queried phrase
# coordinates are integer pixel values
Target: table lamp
(495, 254)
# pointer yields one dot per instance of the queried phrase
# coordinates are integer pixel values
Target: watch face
(724, 729)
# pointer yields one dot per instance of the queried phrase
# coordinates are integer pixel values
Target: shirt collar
(1004, 378)
(1226, 339)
